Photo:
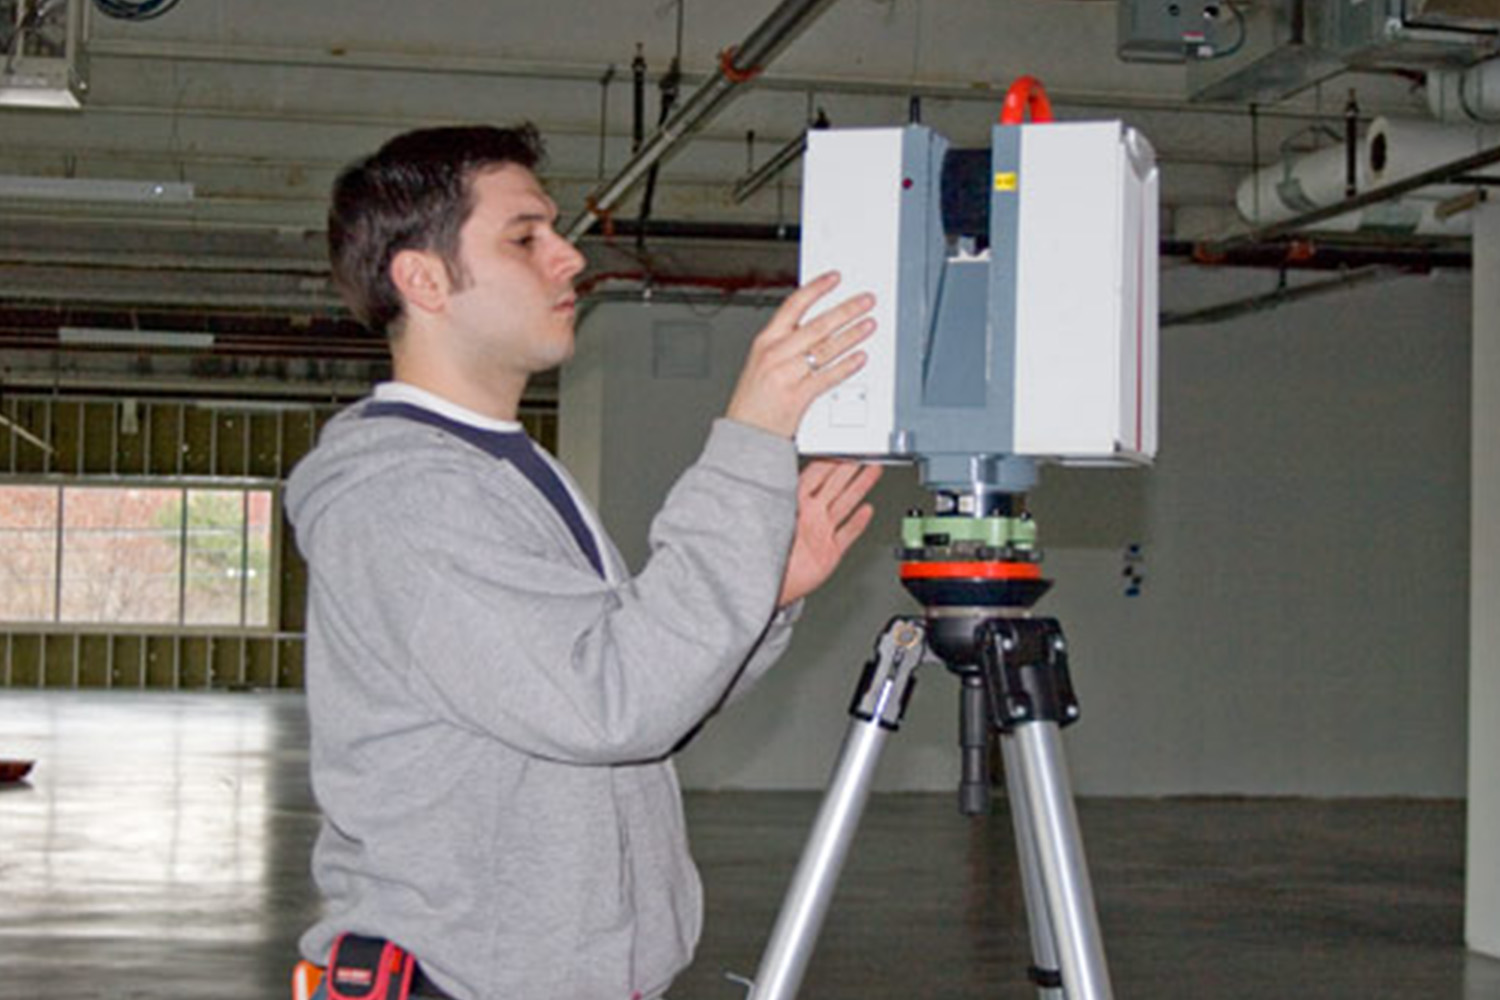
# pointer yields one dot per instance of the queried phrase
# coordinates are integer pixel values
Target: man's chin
(563, 354)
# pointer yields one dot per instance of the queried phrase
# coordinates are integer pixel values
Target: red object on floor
(14, 770)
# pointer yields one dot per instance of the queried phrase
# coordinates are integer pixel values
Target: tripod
(976, 578)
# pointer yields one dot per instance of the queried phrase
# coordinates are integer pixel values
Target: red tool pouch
(362, 968)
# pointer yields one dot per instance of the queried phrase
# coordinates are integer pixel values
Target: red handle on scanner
(1026, 94)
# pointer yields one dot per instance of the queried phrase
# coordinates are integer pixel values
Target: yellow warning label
(1005, 181)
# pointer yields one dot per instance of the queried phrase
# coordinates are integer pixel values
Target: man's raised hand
(792, 362)
(831, 515)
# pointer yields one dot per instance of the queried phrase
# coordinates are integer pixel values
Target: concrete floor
(159, 851)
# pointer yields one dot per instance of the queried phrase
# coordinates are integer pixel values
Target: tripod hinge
(889, 678)
(1025, 666)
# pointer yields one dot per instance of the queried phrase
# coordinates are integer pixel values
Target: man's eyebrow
(542, 209)
(524, 217)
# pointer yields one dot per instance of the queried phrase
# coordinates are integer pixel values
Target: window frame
(181, 484)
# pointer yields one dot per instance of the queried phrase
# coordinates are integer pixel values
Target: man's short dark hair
(414, 193)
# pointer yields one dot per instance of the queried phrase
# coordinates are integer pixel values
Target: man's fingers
(820, 352)
(821, 356)
(796, 305)
(833, 484)
(848, 533)
(855, 488)
(814, 476)
(843, 318)
(830, 375)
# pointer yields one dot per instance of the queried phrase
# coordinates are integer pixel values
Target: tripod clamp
(889, 678)
(1024, 663)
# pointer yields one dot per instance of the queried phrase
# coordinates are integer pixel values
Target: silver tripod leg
(877, 713)
(1043, 804)
(1044, 962)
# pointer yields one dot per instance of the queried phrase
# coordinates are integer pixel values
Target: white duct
(1409, 216)
(1296, 185)
(1392, 150)
(1465, 96)
(1397, 148)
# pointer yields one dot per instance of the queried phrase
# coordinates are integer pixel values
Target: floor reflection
(153, 826)
(159, 851)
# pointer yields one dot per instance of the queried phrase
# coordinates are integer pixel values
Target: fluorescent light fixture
(19, 187)
(102, 337)
(254, 405)
(44, 64)
(18, 91)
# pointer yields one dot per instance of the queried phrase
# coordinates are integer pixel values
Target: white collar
(404, 392)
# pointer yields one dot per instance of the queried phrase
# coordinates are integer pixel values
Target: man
(494, 697)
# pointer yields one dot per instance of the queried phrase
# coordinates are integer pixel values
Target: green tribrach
(947, 537)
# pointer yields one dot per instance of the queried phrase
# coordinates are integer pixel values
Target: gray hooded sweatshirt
(492, 720)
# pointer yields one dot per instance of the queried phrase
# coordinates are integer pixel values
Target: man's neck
(403, 393)
(498, 398)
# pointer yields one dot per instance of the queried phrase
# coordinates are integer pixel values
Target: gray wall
(1482, 899)
(1302, 627)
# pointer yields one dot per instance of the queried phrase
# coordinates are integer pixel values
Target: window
(88, 555)
(28, 553)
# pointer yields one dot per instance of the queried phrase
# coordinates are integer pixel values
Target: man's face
(514, 312)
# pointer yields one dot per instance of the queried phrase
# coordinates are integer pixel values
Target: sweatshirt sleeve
(511, 639)
(768, 650)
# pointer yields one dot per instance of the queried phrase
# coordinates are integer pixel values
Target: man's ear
(421, 279)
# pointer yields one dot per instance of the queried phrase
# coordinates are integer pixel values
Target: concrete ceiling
(258, 103)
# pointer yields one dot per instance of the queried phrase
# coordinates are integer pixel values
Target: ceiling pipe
(1465, 96)
(1338, 252)
(1284, 295)
(1386, 192)
(491, 68)
(71, 382)
(772, 168)
(737, 66)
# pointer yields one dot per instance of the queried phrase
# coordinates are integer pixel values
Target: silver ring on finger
(812, 362)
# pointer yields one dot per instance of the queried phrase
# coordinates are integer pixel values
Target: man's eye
(524, 241)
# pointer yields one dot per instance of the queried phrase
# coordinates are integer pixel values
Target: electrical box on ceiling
(1016, 294)
(43, 62)
(1276, 55)
(1282, 47)
(1171, 30)
(1401, 34)
(1454, 13)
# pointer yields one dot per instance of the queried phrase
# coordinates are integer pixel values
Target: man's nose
(568, 259)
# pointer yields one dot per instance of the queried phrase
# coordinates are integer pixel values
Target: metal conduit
(779, 161)
(1279, 297)
(739, 66)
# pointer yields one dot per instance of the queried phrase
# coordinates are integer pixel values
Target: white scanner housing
(1016, 292)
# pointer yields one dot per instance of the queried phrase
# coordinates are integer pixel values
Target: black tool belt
(366, 968)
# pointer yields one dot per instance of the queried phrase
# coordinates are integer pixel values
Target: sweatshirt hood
(350, 451)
